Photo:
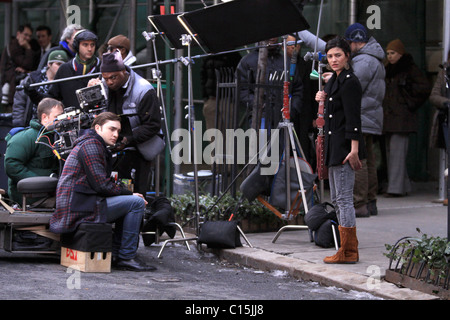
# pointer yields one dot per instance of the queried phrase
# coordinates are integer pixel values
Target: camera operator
(28, 152)
(86, 193)
(134, 98)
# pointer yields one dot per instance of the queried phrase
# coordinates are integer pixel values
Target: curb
(323, 274)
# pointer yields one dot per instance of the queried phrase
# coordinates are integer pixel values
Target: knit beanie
(397, 46)
(112, 62)
(356, 33)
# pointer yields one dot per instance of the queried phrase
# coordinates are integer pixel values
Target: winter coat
(407, 89)
(25, 158)
(23, 107)
(368, 67)
(138, 98)
(13, 56)
(84, 184)
(438, 97)
(440, 94)
(342, 117)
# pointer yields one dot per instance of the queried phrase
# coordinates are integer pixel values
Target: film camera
(71, 124)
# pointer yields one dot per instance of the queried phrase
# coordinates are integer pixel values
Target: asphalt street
(181, 275)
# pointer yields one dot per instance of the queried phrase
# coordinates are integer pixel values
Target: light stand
(186, 41)
(156, 73)
(290, 141)
(206, 27)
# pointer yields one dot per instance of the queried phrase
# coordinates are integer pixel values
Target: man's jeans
(127, 213)
(342, 180)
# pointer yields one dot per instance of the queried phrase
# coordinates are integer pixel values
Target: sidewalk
(397, 217)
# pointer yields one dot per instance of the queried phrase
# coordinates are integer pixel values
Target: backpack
(320, 219)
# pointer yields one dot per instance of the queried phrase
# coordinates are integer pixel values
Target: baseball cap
(58, 56)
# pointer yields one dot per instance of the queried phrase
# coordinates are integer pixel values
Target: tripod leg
(298, 169)
(245, 238)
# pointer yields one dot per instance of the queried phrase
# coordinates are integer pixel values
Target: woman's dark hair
(339, 42)
(103, 117)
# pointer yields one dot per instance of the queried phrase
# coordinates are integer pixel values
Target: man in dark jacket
(29, 152)
(18, 58)
(87, 193)
(134, 99)
(23, 108)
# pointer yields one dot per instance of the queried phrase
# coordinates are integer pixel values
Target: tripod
(290, 143)
(186, 41)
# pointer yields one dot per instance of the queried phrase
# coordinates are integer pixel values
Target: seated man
(86, 193)
(29, 152)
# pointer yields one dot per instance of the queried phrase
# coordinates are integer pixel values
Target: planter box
(413, 280)
(416, 284)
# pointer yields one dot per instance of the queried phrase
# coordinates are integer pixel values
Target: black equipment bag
(320, 219)
(220, 234)
(89, 237)
(158, 216)
(318, 214)
(323, 237)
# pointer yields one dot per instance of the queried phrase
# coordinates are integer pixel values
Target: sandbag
(220, 234)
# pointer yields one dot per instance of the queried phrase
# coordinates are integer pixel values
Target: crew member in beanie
(85, 62)
(134, 99)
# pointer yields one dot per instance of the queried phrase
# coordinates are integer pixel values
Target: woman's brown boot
(348, 252)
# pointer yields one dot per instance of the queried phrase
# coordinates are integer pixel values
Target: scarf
(82, 67)
(65, 45)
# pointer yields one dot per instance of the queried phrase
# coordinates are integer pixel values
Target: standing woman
(343, 143)
(407, 89)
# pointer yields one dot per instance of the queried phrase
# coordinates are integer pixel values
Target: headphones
(83, 35)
